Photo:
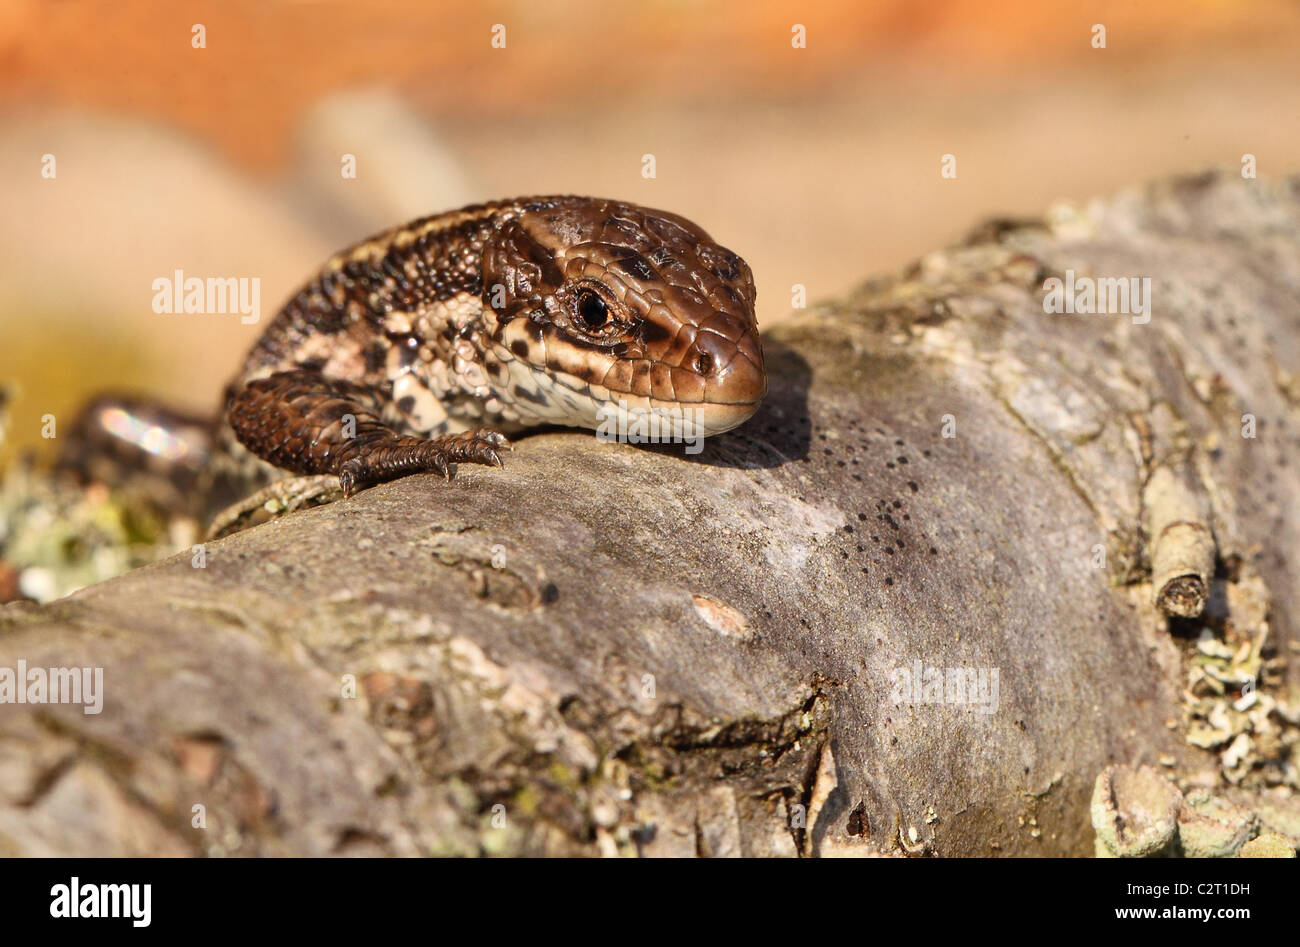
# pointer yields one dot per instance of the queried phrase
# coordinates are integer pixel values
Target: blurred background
(820, 165)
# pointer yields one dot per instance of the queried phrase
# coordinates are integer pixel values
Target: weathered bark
(631, 649)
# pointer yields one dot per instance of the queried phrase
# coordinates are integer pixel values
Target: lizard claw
(481, 447)
(348, 477)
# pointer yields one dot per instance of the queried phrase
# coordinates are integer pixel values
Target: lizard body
(438, 337)
(423, 346)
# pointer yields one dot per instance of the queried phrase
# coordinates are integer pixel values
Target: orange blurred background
(820, 165)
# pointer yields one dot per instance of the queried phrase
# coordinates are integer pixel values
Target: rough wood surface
(606, 648)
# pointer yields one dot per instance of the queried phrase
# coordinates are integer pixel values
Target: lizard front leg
(309, 424)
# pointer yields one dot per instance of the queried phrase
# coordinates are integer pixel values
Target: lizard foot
(387, 460)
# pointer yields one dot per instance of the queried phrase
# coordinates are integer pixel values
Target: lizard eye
(591, 311)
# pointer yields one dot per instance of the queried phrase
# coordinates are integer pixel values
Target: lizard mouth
(673, 420)
(547, 396)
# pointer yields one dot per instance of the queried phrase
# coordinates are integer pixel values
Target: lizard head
(596, 306)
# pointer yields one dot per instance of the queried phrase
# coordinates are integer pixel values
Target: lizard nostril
(704, 363)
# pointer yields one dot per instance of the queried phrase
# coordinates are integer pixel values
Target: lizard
(424, 346)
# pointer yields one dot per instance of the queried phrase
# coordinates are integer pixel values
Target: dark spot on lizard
(635, 265)
(376, 356)
(519, 347)
(522, 392)
(653, 332)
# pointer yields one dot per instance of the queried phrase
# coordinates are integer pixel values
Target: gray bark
(607, 648)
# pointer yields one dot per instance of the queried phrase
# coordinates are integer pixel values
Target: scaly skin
(416, 349)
